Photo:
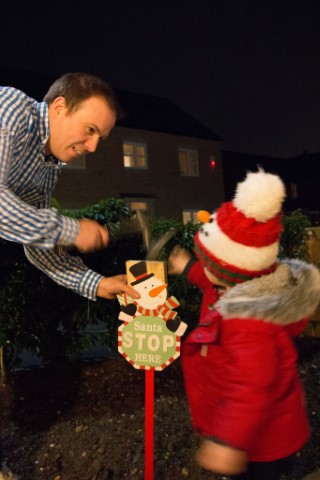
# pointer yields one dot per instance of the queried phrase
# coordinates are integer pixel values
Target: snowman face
(209, 227)
(153, 292)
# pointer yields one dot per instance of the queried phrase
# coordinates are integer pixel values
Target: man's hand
(110, 287)
(92, 236)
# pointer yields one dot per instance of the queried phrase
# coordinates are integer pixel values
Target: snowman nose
(157, 290)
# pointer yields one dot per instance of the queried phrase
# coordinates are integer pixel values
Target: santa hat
(241, 240)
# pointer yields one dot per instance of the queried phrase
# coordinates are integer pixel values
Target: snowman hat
(139, 271)
(240, 241)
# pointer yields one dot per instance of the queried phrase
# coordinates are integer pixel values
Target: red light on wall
(212, 163)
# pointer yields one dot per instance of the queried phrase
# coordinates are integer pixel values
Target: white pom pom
(260, 196)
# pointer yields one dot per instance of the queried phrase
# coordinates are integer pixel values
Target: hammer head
(154, 247)
(139, 225)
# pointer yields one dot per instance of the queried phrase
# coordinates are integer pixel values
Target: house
(159, 159)
(162, 160)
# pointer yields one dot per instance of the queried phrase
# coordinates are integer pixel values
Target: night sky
(247, 69)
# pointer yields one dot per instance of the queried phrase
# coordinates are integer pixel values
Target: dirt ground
(85, 421)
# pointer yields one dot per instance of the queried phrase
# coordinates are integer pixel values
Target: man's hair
(77, 87)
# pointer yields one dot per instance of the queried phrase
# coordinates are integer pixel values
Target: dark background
(247, 69)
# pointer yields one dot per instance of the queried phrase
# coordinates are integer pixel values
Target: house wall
(105, 175)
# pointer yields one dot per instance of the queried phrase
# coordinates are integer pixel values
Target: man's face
(79, 131)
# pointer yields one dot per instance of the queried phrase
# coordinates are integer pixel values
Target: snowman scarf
(165, 310)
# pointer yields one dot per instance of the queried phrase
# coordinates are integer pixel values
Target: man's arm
(70, 272)
(28, 225)
(46, 227)
(37, 224)
(19, 221)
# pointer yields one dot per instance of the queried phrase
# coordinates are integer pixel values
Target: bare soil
(85, 421)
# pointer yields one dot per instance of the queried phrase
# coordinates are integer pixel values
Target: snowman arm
(124, 299)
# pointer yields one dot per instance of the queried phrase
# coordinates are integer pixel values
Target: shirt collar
(44, 128)
(44, 122)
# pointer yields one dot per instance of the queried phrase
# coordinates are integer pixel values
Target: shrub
(38, 315)
(292, 243)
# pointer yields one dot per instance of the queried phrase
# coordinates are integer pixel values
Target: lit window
(190, 216)
(188, 162)
(134, 206)
(294, 191)
(77, 163)
(134, 155)
(144, 204)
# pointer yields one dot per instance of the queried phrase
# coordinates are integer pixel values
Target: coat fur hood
(285, 296)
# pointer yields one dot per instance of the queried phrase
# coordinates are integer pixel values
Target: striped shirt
(27, 180)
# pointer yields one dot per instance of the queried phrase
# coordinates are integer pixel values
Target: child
(239, 364)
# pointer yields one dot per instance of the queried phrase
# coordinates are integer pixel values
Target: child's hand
(178, 260)
(221, 459)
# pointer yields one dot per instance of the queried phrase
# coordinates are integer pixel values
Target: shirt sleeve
(69, 272)
(29, 225)
(20, 222)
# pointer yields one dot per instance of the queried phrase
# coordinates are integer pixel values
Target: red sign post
(149, 338)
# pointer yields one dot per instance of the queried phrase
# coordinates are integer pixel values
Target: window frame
(294, 193)
(193, 214)
(140, 199)
(195, 167)
(135, 156)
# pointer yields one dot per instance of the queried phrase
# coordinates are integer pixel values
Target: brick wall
(168, 191)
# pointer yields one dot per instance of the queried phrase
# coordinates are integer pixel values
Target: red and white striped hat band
(247, 231)
(224, 271)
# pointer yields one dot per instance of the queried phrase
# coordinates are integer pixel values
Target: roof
(32, 83)
(309, 157)
(159, 114)
(145, 112)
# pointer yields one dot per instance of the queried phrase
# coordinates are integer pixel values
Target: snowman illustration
(153, 300)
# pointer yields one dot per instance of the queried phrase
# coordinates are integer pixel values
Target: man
(78, 111)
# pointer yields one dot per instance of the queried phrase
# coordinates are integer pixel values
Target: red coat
(244, 389)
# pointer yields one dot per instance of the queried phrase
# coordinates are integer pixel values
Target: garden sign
(149, 338)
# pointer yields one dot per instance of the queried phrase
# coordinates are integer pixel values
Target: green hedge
(38, 315)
